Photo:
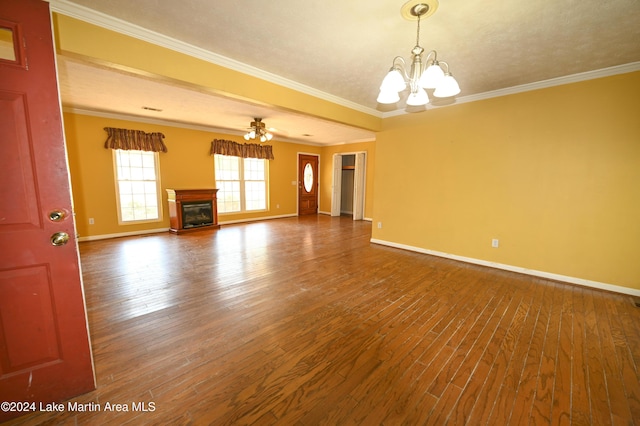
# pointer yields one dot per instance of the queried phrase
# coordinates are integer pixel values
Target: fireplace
(197, 213)
(192, 210)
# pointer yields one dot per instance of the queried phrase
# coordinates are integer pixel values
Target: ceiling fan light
(388, 97)
(393, 81)
(247, 137)
(448, 87)
(263, 138)
(418, 98)
(431, 77)
(269, 136)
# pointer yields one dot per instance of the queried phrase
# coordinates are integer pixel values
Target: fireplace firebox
(197, 213)
(192, 210)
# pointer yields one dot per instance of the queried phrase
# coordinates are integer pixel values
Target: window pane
(241, 184)
(7, 49)
(125, 188)
(308, 177)
(255, 195)
(228, 196)
(124, 173)
(137, 185)
(136, 173)
(253, 169)
(135, 158)
(149, 173)
(148, 162)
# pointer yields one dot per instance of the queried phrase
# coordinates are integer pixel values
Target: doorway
(347, 198)
(307, 184)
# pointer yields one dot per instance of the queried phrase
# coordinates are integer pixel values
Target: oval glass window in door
(308, 177)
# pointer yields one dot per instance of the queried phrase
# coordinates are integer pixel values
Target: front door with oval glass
(307, 184)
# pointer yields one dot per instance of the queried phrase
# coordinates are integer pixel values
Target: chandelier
(432, 74)
(258, 130)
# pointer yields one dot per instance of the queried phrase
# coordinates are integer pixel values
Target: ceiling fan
(258, 130)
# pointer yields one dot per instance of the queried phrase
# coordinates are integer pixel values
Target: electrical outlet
(379, 225)
(277, 206)
(495, 243)
(91, 221)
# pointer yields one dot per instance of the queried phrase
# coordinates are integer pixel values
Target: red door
(45, 354)
(307, 184)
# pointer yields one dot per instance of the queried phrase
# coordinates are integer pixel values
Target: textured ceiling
(344, 48)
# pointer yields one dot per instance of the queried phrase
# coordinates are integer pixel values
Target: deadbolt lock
(56, 215)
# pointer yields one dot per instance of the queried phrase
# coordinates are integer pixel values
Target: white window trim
(156, 163)
(242, 180)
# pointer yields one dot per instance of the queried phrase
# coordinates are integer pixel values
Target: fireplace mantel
(192, 210)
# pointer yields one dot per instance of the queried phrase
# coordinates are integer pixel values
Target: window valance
(247, 150)
(134, 140)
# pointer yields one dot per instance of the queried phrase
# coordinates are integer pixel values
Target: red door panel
(45, 354)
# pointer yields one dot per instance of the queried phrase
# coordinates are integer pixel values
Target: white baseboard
(155, 231)
(368, 219)
(541, 274)
(255, 219)
(121, 234)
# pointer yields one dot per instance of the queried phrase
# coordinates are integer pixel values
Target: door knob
(59, 238)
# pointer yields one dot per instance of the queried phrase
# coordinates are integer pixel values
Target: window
(137, 185)
(241, 183)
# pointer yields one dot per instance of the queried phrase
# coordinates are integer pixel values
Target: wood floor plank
(303, 321)
(479, 364)
(599, 397)
(543, 404)
(561, 413)
(525, 391)
(630, 375)
(619, 405)
(581, 406)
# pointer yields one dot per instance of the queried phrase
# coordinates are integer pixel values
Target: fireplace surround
(192, 210)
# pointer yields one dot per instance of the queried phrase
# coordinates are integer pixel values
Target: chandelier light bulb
(393, 81)
(447, 88)
(388, 97)
(418, 98)
(432, 76)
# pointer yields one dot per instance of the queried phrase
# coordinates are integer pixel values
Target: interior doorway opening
(348, 191)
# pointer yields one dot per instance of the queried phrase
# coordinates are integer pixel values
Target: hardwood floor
(303, 321)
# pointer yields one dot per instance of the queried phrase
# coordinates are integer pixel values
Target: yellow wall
(76, 38)
(326, 173)
(187, 164)
(554, 174)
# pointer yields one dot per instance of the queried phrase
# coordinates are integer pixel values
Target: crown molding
(85, 14)
(91, 16)
(559, 81)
